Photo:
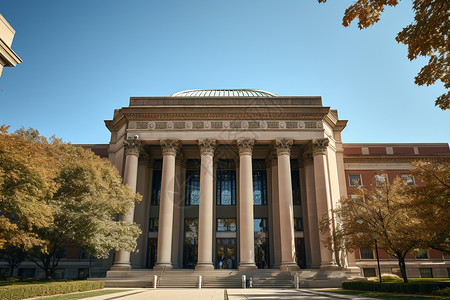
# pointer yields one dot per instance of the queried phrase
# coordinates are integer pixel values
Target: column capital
(320, 146)
(245, 146)
(132, 147)
(284, 146)
(169, 147)
(207, 146)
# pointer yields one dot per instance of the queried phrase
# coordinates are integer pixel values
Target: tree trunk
(402, 265)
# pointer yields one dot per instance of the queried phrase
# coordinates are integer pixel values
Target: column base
(329, 266)
(247, 267)
(163, 267)
(289, 267)
(204, 267)
(120, 267)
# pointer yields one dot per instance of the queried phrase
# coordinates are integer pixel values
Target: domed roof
(224, 93)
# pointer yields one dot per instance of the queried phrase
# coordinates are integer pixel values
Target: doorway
(151, 252)
(226, 253)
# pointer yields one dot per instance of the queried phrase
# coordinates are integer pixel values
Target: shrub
(442, 292)
(424, 287)
(13, 292)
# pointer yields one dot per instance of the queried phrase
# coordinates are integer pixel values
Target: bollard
(250, 282)
(244, 282)
(155, 279)
(199, 281)
(296, 282)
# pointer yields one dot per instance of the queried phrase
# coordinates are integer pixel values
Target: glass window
(295, 176)
(190, 243)
(83, 253)
(259, 187)
(408, 178)
(260, 225)
(153, 224)
(226, 225)
(366, 253)
(421, 253)
(226, 187)
(83, 273)
(426, 272)
(369, 272)
(156, 187)
(58, 274)
(380, 180)
(354, 179)
(192, 187)
(298, 224)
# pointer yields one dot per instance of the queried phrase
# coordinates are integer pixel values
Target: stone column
(323, 197)
(177, 220)
(246, 230)
(286, 205)
(132, 149)
(313, 222)
(276, 213)
(163, 260)
(206, 206)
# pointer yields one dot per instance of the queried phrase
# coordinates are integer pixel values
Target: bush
(442, 292)
(424, 287)
(13, 292)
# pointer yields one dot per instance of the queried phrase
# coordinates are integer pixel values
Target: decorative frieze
(207, 146)
(169, 147)
(320, 146)
(132, 147)
(284, 146)
(245, 146)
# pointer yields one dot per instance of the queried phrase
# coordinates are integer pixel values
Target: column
(206, 206)
(276, 213)
(132, 149)
(323, 197)
(246, 230)
(286, 205)
(163, 260)
(313, 222)
(177, 220)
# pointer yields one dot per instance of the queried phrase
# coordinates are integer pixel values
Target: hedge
(13, 292)
(425, 287)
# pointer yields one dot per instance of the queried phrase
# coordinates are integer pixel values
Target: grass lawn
(84, 294)
(381, 295)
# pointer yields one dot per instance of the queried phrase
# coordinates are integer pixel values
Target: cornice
(8, 55)
(389, 159)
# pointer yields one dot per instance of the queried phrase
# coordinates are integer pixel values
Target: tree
(432, 202)
(14, 256)
(427, 36)
(382, 212)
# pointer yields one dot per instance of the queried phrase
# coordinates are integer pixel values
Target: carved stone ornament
(169, 147)
(284, 146)
(132, 147)
(320, 146)
(207, 146)
(245, 146)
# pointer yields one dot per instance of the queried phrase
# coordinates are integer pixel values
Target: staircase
(178, 279)
(268, 278)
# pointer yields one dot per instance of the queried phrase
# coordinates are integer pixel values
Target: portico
(230, 179)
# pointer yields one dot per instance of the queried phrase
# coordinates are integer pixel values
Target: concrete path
(221, 294)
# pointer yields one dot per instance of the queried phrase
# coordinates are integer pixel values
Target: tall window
(366, 253)
(226, 187)
(190, 249)
(295, 177)
(224, 225)
(156, 187)
(192, 187)
(259, 187)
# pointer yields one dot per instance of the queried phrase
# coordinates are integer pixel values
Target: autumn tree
(432, 202)
(427, 36)
(382, 212)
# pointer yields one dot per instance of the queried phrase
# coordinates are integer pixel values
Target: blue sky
(83, 59)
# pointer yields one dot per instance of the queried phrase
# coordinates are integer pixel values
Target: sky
(83, 59)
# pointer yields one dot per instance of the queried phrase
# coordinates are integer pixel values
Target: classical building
(8, 58)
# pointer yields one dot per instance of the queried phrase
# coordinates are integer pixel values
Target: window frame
(350, 180)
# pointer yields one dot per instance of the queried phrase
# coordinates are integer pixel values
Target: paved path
(220, 294)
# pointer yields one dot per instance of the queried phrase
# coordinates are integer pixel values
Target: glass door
(226, 254)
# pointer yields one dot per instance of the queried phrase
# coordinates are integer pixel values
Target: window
(259, 187)
(4, 272)
(27, 272)
(298, 224)
(58, 274)
(83, 273)
(156, 187)
(426, 272)
(260, 225)
(366, 253)
(380, 180)
(408, 178)
(295, 177)
(421, 253)
(61, 253)
(192, 187)
(369, 272)
(190, 250)
(226, 225)
(226, 187)
(83, 253)
(354, 180)
(153, 224)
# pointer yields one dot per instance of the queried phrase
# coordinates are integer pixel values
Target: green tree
(427, 36)
(382, 212)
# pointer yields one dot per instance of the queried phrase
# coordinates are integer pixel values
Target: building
(238, 179)
(8, 58)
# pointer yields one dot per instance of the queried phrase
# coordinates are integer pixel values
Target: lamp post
(378, 259)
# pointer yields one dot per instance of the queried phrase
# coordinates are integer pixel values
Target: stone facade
(8, 58)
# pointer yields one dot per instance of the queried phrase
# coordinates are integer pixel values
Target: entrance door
(226, 254)
(151, 252)
(300, 252)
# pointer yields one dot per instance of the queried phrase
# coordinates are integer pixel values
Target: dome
(224, 93)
